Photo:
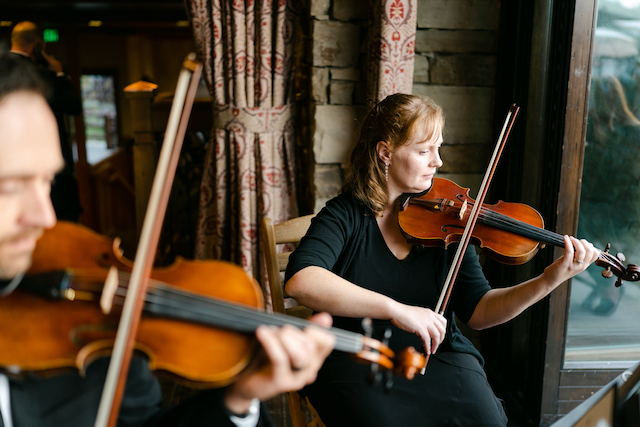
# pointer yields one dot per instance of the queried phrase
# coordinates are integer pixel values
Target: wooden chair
(290, 231)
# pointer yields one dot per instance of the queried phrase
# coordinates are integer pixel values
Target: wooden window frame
(564, 388)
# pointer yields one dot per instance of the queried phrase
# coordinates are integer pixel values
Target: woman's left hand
(578, 255)
(500, 305)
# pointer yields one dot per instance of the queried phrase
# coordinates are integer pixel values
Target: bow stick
(158, 199)
(445, 294)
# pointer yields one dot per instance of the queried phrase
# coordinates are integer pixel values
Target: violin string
(540, 234)
(164, 301)
(507, 223)
(522, 228)
(347, 341)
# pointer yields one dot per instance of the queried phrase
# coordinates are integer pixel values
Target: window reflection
(603, 320)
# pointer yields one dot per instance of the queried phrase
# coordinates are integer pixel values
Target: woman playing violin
(355, 263)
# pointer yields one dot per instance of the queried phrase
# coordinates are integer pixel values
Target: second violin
(510, 233)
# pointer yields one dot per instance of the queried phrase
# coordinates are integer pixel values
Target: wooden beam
(145, 151)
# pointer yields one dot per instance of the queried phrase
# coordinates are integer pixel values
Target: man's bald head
(25, 36)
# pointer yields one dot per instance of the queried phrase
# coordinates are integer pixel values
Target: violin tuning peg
(606, 248)
(607, 274)
(621, 256)
(387, 336)
(618, 282)
(367, 327)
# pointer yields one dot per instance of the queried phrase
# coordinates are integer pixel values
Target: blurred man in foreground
(30, 157)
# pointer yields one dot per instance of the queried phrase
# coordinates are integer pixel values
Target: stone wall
(338, 32)
(455, 64)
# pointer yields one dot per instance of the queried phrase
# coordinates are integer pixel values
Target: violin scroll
(613, 265)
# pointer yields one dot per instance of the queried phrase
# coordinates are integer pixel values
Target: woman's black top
(345, 239)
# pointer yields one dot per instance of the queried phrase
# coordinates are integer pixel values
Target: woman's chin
(425, 185)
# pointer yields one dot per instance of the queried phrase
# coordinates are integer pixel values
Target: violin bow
(445, 294)
(115, 381)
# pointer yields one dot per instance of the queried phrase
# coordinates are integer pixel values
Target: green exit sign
(50, 35)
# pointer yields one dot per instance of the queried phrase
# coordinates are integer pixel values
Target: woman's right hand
(430, 326)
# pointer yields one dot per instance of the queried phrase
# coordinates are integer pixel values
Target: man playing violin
(354, 262)
(29, 159)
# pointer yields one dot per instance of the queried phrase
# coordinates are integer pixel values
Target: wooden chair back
(290, 231)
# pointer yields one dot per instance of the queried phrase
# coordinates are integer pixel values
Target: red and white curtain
(392, 47)
(247, 48)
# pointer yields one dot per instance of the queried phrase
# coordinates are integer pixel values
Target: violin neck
(541, 235)
(169, 302)
(506, 223)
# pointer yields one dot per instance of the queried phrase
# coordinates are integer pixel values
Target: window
(603, 320)
(100, 118)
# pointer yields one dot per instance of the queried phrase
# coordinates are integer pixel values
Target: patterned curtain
(392, 47)
(247, 48)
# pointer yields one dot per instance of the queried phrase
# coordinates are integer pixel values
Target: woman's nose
(437, 161)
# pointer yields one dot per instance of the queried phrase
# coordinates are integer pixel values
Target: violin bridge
(463, 210)
(109, 290)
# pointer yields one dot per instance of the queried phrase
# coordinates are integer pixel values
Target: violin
(198, 322)
(510, 233)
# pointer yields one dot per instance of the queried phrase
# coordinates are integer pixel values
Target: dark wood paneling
(72, 11)
(577, 385)
(588, 377)
(571, 150)
(564, 407)
(577, 394)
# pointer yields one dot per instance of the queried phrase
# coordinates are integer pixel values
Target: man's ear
(384, 151)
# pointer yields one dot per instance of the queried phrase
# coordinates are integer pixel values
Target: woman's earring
(386, 172)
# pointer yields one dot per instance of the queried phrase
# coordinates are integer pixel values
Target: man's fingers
(297, 345)
(291, 348)
(322, 319)
(271, 345)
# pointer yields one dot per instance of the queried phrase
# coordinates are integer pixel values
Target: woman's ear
(384, 152)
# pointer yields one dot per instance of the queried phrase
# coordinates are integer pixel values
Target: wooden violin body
(49, 335)
(510, 233)
(438, 219)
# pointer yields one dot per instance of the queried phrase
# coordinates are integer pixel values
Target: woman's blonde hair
(394, 121)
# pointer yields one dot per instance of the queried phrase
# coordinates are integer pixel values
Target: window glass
(100, 120)
(603, 319)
